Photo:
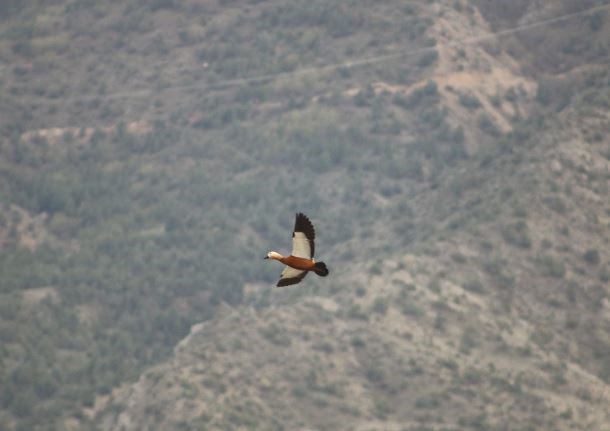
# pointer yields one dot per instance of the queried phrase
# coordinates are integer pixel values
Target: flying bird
(300, 261)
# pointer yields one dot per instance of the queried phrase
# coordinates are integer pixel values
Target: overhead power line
(346, 64)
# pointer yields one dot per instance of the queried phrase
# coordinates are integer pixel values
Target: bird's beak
(266, 257)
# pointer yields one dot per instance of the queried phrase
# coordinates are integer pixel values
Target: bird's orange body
(298, 262)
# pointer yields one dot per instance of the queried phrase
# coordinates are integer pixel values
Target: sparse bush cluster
(487, 125)
(551, 266)
(468, 101)
(517, 234)
(592, 257)
(475, 286)
(427, 93)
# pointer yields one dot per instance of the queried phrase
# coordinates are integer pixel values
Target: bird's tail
(320, 269)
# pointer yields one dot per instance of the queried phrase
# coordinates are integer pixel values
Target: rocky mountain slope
(458, 183)
(498, 319)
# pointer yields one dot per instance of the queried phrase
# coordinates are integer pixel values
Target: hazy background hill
(152, 152)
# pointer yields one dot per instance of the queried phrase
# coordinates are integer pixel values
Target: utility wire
(347, 64)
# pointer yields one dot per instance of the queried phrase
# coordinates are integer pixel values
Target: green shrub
(517, 234)
(380, 305)
(355, 312)
(596, 20)
(412, 309)
(450, 364)
(591, 256)
(428, 59)
(374, 374)
(434, 285)
(542, 337)
(156, 5)
(23, 404)
(472, 376)
(487, 125)
(469, 340)
(551, 266)
(556, 204)
(459, 257)
(474, 286)
(357, 341)
(429, 401)
(360, 291)
(382, 408)
(495, 100)
(604, 274)
(276, 335)
(468, 101)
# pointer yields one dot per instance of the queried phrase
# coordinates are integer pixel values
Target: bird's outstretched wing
(291, 276)
(303, 237)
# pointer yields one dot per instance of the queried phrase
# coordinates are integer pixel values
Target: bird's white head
(273, 255)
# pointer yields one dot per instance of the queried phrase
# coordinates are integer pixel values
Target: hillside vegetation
(152, 152)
